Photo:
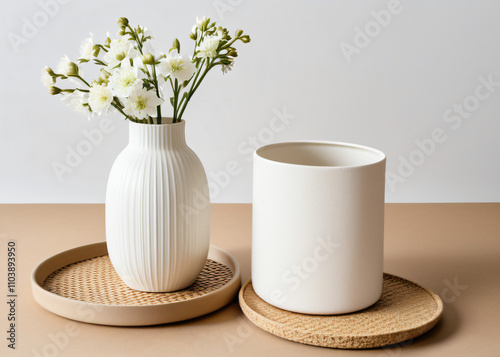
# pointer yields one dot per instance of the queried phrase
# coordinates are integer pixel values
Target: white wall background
(398, 89)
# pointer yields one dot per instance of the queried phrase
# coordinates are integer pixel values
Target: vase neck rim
(165, 121)
(150, 136)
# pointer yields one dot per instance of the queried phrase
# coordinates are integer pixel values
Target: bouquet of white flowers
(133, 73)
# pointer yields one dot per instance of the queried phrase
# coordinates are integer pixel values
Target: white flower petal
(86, 48)
(142, 103)
(76, 101)
(208, 47)
(123, 80)
(121, 50)
(46, 78)
(100, 98)
(175, 66)
(63, 67)
(147, 32)
(199, 22)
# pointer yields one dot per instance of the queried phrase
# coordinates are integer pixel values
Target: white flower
(47, 79)
(146, 49)
(123, 80)
(208, 47)
(64, 66)
(142, 103)
(104, 75)
(137, 63)
(176, 66)
(120, 50)
(86, 48)
(147, 32)
(100, 98)
(76, 101)
(199, 22)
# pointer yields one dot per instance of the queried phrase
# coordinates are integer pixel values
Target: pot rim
(381, 157)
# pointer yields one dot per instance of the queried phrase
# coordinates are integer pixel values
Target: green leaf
(99, 62)
(221, 45)
(176, 45)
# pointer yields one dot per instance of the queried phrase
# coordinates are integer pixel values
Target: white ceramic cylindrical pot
(157, 210)
(318, 226)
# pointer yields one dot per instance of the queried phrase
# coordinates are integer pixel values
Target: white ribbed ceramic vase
(157, 210)
(318, 226)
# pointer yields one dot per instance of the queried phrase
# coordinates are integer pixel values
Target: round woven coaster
(404, 311)
(96, 281)
(81, 284)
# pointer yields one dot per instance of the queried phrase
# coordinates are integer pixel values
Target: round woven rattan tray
(404, 311)
(81, 284)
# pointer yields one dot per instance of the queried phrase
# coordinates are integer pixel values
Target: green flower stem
(230, 43)
(136, 38)
(158, 108)
(175, 90)
(183, 104)
(153, 77)
(195, 86)
(80, 78)
(72, 90)
(198, 42)
(102, 48)
(117, 107)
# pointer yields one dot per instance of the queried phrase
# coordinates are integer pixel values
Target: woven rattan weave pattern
(404, 311)
(95, 281)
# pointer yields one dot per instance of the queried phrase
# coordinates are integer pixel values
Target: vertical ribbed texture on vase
(157, 210)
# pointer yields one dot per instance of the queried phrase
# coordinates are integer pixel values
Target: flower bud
(103, 78)
(95, 50)
(176, 45)
(50, 72)
(148, 58)
(73, 69)
(238, 33)
(54, 90)
(245, 39)
(104, 74)
(203, 24)
(123, 22)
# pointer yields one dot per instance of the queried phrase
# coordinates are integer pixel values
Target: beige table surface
(435, 245)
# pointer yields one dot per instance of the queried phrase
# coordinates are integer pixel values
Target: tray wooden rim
(129, 315)
(341, 341)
